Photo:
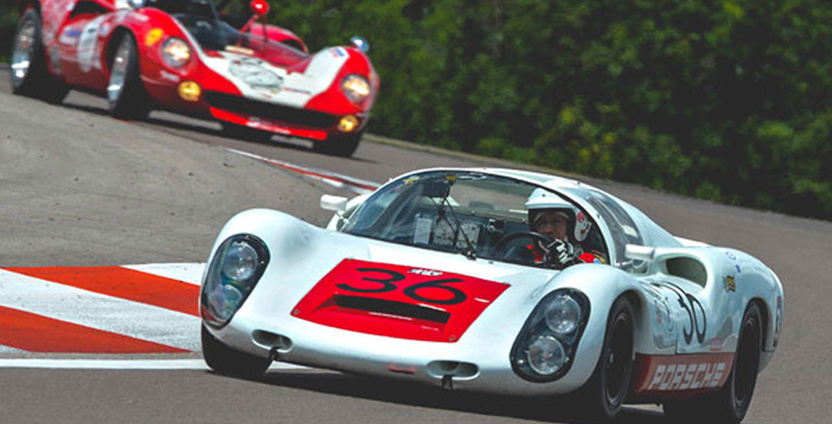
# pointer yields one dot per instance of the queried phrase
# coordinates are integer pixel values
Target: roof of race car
(546, 180)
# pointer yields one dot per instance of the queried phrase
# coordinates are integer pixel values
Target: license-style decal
(398, 301)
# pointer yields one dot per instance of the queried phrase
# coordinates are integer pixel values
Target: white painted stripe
(99, 311)
(185, 272)
(355, 185)
(7, 349)
(122, 364)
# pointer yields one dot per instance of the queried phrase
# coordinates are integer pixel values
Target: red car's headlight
(356, 88)
(176, 52)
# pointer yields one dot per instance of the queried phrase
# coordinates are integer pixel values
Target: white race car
(454, 277)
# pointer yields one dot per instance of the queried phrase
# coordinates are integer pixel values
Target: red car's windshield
(216, 25)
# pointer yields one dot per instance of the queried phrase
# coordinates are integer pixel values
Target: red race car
(194, 57)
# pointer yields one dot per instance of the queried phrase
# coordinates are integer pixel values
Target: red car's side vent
(387, 307)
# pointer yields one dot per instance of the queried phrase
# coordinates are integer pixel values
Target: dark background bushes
(724, 100)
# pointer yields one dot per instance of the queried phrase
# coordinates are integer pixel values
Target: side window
(622, 227)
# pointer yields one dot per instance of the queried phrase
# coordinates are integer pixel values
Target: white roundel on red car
(253, 72)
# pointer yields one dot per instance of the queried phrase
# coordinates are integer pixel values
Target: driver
(565, 225)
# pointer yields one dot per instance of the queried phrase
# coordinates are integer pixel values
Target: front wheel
(29, 74)
(729, 404)
(228, 361)
(343, 146)
(125, 91)
(604, 394)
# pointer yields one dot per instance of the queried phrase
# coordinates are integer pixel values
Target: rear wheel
(29, 74)
(125, 91)
(228, 361)
(604, 394)
(343, 146)
(729, 404)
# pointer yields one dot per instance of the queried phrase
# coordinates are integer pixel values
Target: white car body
(689, 299)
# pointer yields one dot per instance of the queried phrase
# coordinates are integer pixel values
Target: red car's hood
(398, 301)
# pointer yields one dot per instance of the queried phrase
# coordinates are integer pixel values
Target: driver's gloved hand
(561, 252)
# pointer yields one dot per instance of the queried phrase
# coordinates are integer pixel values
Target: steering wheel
(548, 261)
(504, 241)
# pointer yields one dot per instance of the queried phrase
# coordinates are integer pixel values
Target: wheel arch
(112, 44)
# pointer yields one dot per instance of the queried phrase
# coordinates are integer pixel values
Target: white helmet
(543, 200)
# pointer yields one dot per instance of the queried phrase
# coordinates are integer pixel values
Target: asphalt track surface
(78, 188)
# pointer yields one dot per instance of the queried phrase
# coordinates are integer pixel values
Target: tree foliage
(719, 99)
(724, 100)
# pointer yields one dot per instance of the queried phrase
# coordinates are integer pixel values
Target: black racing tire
(242, 132)
(730, 404)
(29, 74)
(343, 146)
(604, 394)
(228, 361)
(125, 92)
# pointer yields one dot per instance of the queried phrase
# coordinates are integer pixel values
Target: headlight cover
(562, 315)
(176, 52)
(232, 274)
(355, 87)
(546, 346)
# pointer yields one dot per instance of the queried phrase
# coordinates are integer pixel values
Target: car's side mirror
(361, 44)
(259, 8)
(639, 253)
(336, 204)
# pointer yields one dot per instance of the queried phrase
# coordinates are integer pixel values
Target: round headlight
(176, 52)
(232, 274)
(356, 88)
(223, 301)
(563, 315)
(240, 261)
(546, 355)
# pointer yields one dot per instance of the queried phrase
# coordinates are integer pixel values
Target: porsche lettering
(687, 376)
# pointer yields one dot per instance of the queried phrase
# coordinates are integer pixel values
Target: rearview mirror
(436, 189)
(260, 8)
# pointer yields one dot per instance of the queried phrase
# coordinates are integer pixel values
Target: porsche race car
(193, 57)
(431, 279)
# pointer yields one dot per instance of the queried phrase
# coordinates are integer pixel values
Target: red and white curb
(134, 309)
(138, 309)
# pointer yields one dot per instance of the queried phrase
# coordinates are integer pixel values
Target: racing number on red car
(387, 285)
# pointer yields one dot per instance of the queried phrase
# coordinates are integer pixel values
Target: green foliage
(8, 26)
(723, 100)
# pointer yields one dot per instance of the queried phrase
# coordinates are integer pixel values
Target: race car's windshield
(221, 25)
(478, 215)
